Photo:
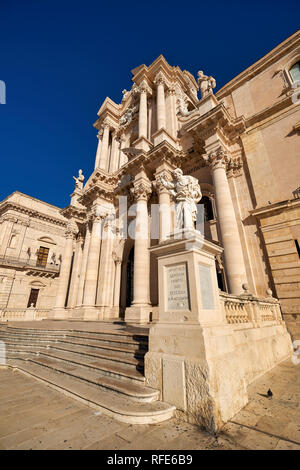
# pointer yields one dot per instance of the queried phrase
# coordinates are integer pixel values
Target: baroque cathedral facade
(94, 259)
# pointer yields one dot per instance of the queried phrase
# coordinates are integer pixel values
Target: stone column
(233, 255)
(83, 266)
(123, 158)
(140, 307)
(105, 288)
(98, 154)
(117, 284)
(64, 274)
(143, 111)
(160, 103)
(113, 164)
(104, 148)
(75, 272)
(123, 294)
(164, 208)
(171, 94)
(89, 296)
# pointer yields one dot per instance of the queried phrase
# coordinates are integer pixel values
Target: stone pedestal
(191, 349)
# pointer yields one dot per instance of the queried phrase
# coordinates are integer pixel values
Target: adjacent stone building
(31, 247)
(242, 144)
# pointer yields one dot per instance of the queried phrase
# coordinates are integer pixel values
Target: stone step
(115, 405)
(93, 377)
(135, 390)
(103, 366)
(80, 353)
(93, 350)
(133, 335)
(117, 341)
(110, 355)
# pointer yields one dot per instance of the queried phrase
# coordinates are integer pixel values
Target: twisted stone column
(233, 255)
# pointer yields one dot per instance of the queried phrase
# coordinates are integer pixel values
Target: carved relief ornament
(141, 190)
(217, 159)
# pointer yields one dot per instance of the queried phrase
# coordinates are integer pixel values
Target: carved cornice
(217, 120)
(32, 213)
(95, 191)
(274, 55)
(75, 212)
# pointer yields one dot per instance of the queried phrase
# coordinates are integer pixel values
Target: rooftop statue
(186, 193)
(206, 84)
(79, 180)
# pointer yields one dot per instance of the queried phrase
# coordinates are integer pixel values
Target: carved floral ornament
(144, 88)
(160, 79)
(217, 159)
(141, 191)
(72, 229)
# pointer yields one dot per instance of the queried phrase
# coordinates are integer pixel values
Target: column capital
(160, 188)
(217, 159)
(100, 133)
(72, 229)
(141, 190)
(234, 168)
(160, 79)
(116, 258)
(171, 90)
(106, 124)
(144, 88)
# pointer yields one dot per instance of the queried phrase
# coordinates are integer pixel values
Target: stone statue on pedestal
(206, 84)
(79, 180)
(187, 193)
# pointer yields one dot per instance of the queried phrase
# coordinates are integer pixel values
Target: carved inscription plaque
(206, 287)
(177, 287)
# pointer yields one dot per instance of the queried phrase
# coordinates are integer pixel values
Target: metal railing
(29, 264)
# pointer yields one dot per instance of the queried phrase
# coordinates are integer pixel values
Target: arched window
(295, 72)
(208, 210)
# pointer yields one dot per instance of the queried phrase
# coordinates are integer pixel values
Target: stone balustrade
(23, 314)
(239, 309)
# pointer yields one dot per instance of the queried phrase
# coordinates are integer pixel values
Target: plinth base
(138, 314)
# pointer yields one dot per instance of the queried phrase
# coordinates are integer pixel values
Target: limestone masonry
(217, 297)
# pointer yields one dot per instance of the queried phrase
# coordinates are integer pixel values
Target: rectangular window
(42, 256)
(33, 297)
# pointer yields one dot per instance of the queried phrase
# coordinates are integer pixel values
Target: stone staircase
(103, 369)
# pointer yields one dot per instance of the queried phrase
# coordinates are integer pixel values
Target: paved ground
(34, 416)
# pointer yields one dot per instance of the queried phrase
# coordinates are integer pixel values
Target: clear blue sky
(60, 59)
